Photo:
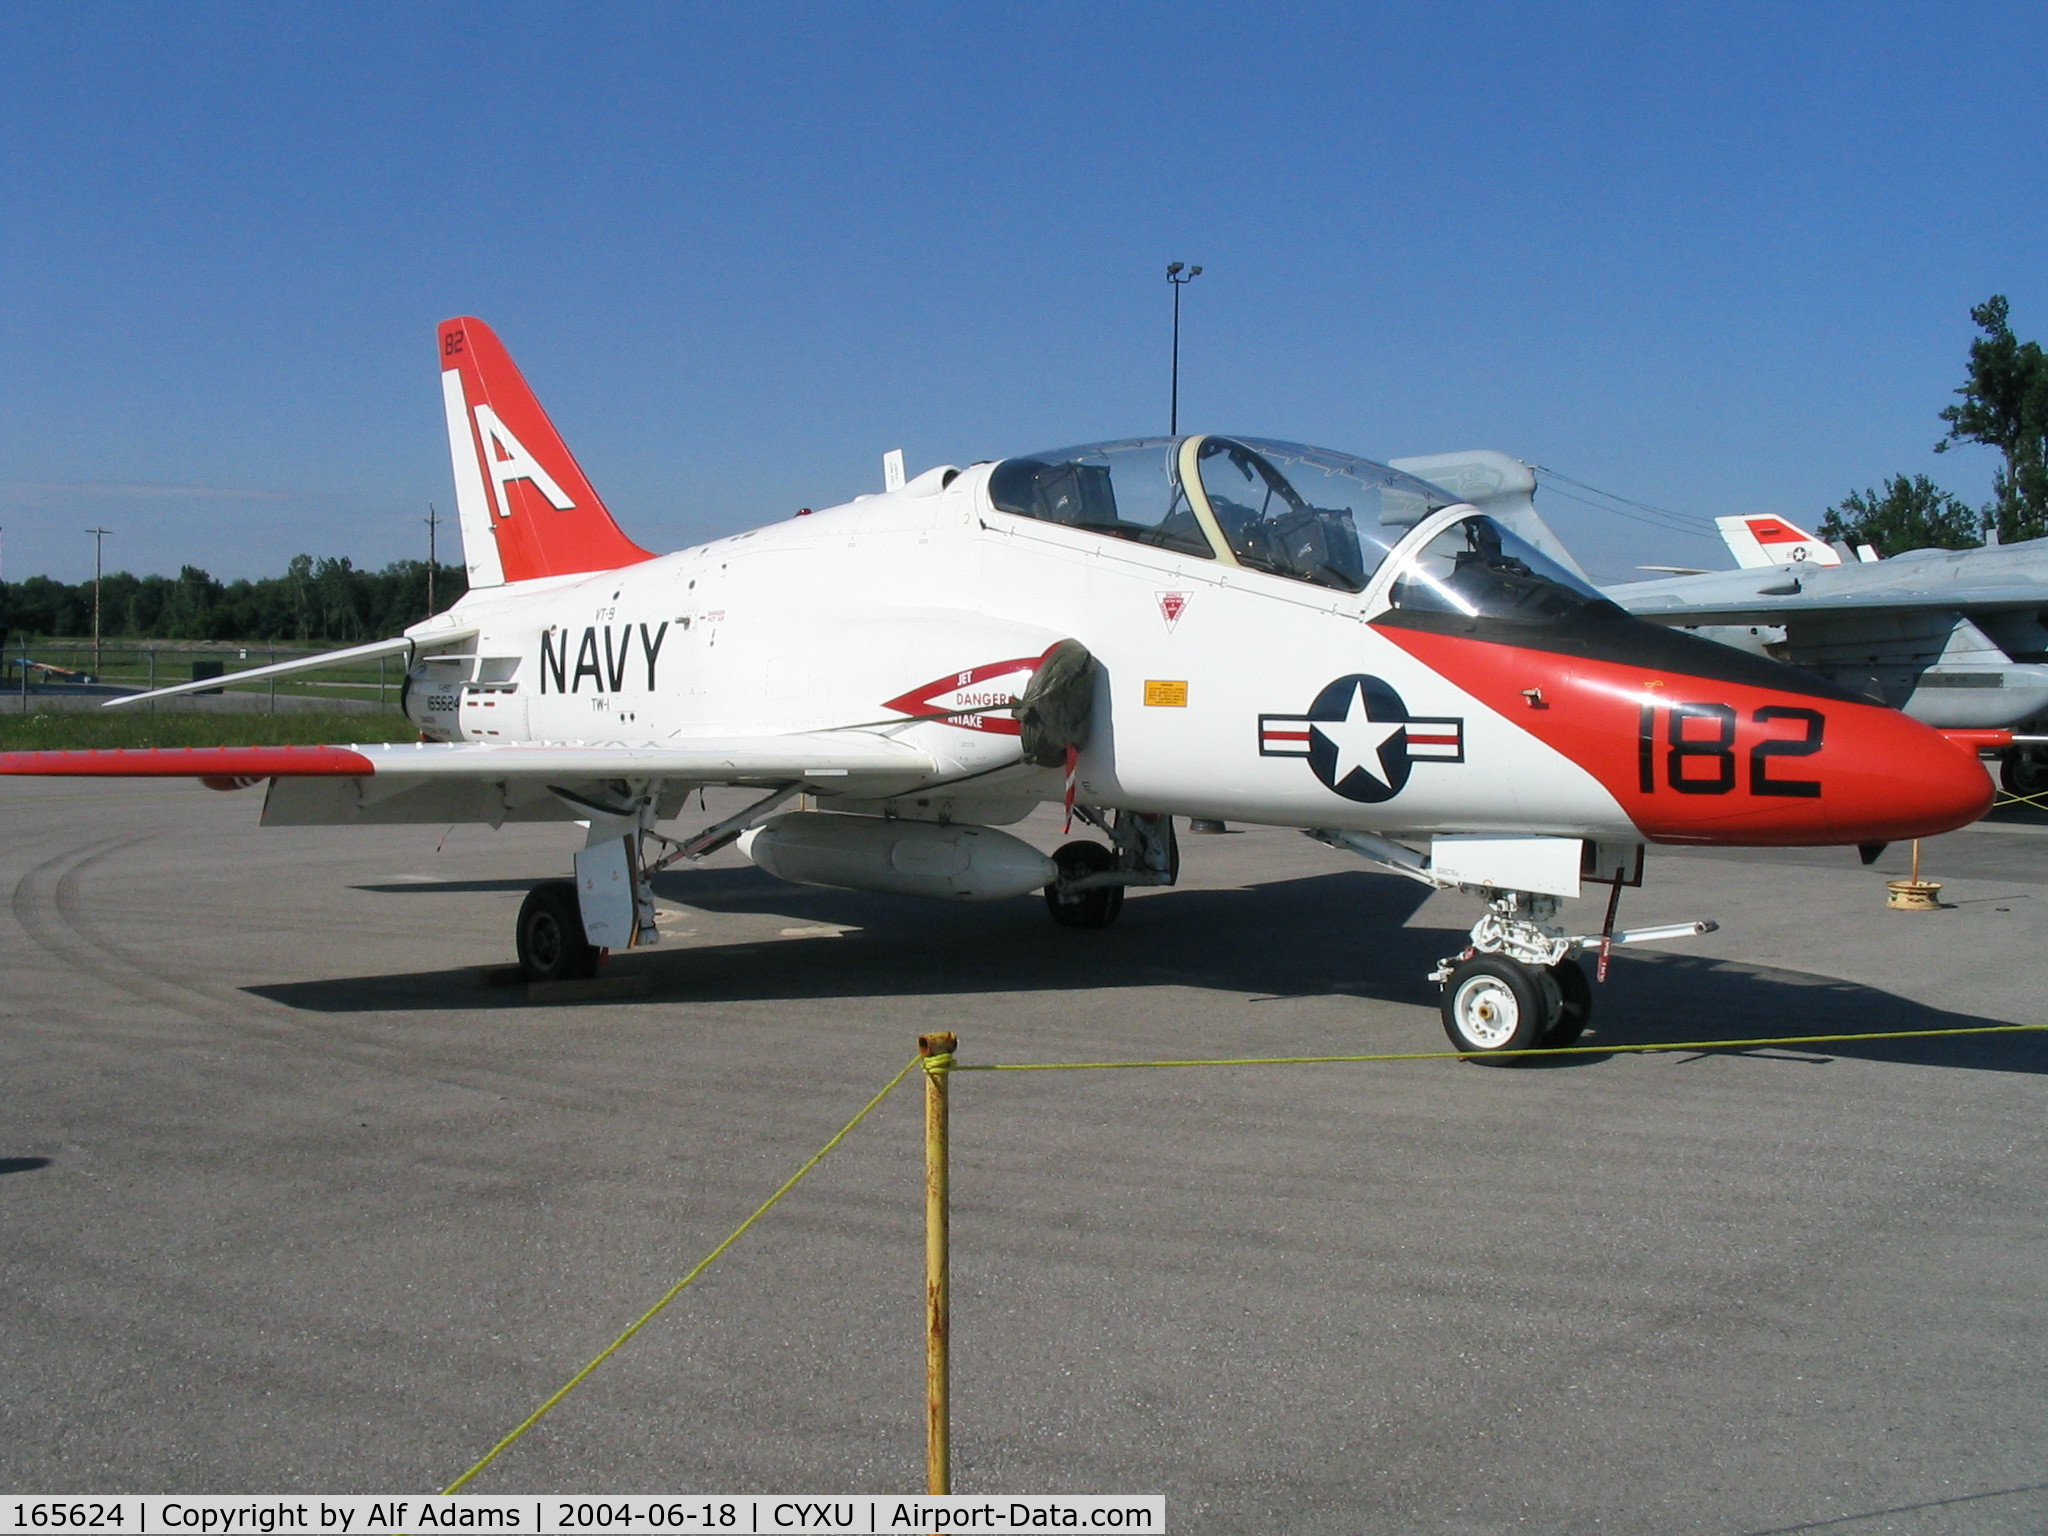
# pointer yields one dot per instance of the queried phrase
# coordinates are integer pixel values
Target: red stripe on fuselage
(1882, 777)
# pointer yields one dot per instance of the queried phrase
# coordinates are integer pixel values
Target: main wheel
(1491, 1003)
(1084, 909)
(551, 942)
(2024, 771)
(1577, 996)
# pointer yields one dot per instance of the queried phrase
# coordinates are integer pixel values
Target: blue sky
(1715, 258)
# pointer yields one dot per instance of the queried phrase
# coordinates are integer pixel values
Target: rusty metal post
(937, 1051)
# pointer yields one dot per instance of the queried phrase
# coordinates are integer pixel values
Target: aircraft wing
(481, 781)
(1776, 608)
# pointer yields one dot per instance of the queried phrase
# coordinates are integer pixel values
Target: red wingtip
(250, 763)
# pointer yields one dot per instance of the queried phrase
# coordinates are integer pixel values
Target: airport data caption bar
(561, 1514)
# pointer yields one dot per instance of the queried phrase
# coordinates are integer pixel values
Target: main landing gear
(552, 945)
(2024, 771)
(1089, 892)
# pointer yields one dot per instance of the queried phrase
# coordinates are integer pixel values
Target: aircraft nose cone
(1912, 782)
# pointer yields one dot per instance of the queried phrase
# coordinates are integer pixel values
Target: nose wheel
(1492, 1004)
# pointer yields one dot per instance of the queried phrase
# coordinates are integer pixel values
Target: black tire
(1084, 909)
(551, 942)
(1492, 1004)
(1577, 997)
(2023, 771)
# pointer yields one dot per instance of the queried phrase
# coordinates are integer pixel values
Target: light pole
(1179, 274)
(98, 534)
(433, 522)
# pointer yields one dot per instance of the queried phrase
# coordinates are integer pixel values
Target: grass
(165, 728)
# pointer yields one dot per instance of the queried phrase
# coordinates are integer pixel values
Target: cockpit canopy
(1304, 513)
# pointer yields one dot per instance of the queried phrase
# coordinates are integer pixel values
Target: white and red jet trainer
(1204, 626)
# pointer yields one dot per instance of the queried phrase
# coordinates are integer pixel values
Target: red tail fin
(525, 506)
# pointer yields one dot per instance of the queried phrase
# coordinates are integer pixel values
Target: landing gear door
(606, 883)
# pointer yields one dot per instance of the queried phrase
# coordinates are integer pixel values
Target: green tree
(1911, 513)
(315, 601)
(2005, 406)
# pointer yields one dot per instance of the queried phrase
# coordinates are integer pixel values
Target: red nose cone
(1898, 779)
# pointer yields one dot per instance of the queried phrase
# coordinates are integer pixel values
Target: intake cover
(1058, 704)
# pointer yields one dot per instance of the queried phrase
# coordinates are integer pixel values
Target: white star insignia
(1358, 739)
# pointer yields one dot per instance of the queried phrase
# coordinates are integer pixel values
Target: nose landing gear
(1519, 986)
(1507, 991)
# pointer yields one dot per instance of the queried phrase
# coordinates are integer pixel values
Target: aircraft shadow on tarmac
(22, 1164)
(1323, 935)
(449, 887)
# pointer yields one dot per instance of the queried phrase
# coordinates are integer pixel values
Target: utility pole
(1180, 274)
(97, 535)
(433, 522)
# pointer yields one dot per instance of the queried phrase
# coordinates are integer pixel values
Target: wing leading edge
(476, 781)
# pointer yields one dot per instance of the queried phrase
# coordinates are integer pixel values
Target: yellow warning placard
(1167, 695)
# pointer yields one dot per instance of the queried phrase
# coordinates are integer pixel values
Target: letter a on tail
(526, 507)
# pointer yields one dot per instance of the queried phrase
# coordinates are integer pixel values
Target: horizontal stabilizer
(401, 646)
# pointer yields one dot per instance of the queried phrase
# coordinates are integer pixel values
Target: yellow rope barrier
(1563, 1050)
(677, 1289)
(938, 1065)
(2039, 801)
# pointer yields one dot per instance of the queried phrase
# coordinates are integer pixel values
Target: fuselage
(1225, 691)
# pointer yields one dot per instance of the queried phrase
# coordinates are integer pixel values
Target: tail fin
(525, 506)
(1759, 541)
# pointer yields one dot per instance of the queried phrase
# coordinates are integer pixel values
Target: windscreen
(1477, 569)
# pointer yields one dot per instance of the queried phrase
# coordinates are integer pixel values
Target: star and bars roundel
(1360, 740)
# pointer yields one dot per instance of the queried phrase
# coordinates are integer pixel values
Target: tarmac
(291, 1201)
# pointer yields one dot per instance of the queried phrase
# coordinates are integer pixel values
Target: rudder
(525, 505)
